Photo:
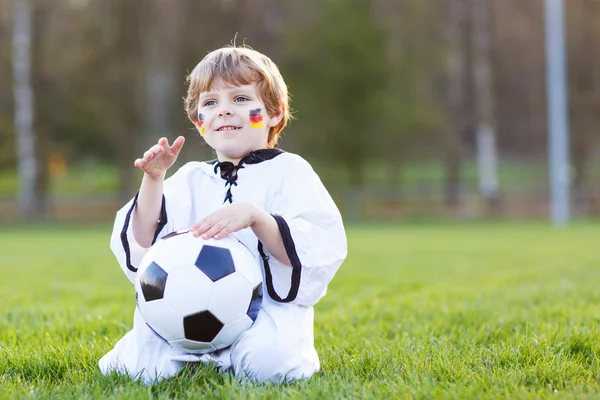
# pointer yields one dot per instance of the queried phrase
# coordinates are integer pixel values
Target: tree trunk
(483, 104)
(164, 29)
(584, 79)
(455, 99)
(126, 48)
(30, 206)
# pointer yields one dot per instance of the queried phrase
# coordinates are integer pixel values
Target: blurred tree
(337, 71)
(519, 79)
(7, 135)
(456, 90)
(119, 83)
(413, 114)
(162, 47)
(123, 81)
(484, 104)
(583, 34)
(71, 103)
(31, 198)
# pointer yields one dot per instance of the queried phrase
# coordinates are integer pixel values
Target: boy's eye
(240, 99)
(209, 103)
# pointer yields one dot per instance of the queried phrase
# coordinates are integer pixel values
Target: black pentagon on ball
(255, 303)
(215, 262)
(202, 326)
(153, 282)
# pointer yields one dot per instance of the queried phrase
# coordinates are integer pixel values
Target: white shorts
(278, 347)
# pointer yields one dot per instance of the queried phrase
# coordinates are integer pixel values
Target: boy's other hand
(228, 219)
(160, 157)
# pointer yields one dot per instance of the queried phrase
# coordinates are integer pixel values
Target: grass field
(432, 311)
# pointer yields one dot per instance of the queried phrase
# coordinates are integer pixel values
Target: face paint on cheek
(256, 119)
(200, 124)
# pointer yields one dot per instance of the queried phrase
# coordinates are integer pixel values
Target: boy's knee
(270, 362)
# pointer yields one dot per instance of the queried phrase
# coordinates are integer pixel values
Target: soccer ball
(198, 295)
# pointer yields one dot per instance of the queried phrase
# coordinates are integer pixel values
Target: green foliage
(337, 71)
(7, 137)
(363, 85)
(78, 179)
(414, 120)
(444, 311)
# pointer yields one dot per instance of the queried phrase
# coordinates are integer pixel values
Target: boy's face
(234, 121)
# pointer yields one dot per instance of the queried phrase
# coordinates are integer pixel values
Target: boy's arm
(313, 234)
(154, 163)
(267, 231)
(147, 210)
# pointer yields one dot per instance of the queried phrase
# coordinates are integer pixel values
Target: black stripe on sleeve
(161, 224)
(290, 249)
(162, 221)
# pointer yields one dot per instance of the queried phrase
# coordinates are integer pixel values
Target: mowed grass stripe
(431, 311)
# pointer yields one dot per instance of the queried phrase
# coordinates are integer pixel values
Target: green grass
(433, 311)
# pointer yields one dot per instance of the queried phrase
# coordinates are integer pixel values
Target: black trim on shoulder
(161, 224)
(258, 156)
(124, 241)
(163, 219)
(255, 157)
(290, 249)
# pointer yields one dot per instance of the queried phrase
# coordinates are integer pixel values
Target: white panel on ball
(230, 332)
(177, 252)
(188, 290)
(230, 298)
(163, 319)
(141, 303)
(247, 265)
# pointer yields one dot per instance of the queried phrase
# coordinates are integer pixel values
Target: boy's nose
(225, 113)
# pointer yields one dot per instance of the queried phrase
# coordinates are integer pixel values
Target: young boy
(270, 200)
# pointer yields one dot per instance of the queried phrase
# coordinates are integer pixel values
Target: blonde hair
(236, 66)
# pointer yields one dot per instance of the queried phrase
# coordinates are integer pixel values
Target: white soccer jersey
(279, 346)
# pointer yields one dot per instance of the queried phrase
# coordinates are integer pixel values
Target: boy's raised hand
(160, 157)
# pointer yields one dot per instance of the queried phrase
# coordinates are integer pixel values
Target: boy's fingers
(216, 228)
(224, 232)
(178, 144)
(138, 162)
(201, 227)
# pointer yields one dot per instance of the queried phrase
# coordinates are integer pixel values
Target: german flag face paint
(256, 119)
(200, 124)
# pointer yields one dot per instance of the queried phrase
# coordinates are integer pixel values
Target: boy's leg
(140, 354)
(278, 347)
(143, 355)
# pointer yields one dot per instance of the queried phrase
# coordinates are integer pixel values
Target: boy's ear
(276, 118)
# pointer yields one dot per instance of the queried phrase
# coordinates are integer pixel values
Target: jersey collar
(254, 157)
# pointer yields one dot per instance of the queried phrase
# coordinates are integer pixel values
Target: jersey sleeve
(313, 233)
(174, 215)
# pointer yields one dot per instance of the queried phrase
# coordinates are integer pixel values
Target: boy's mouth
(228, 128)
